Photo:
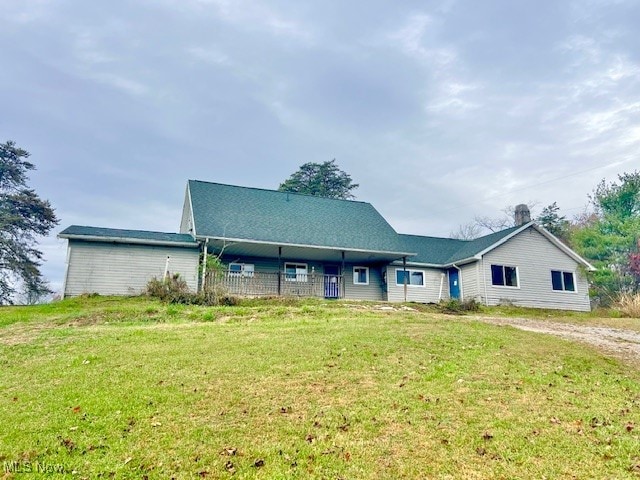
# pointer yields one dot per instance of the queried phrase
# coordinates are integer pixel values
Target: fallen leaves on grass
(229, 451)
(67, 443)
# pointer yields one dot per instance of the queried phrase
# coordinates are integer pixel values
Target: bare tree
(467, 231)
(483, 225)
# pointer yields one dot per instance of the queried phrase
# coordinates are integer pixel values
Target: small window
(504, 276)
(241, 269)
(563, 281)
(295, 272)
(361, 275)
(413, 277)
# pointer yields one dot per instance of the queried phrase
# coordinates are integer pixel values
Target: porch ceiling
(295, 252)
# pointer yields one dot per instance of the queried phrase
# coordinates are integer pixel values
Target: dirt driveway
(621, 343)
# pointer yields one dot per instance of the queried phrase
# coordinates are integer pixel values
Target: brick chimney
(522, 215)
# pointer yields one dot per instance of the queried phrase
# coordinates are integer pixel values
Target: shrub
(629, 304)
(171, 289)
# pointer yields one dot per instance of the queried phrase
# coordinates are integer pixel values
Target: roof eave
(137, 241)
(299, 245)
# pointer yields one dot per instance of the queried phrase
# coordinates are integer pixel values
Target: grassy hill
(132, 388)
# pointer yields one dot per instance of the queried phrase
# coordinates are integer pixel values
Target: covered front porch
(257, 269)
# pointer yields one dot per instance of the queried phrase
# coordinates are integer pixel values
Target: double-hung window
(412, 277)
(563, 281)
(241, 269)
(361, 275)
(504, 276)
(295, 272)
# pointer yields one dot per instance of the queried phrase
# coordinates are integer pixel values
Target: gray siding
(123, 269)
(535, 257)
(374, 291)
(422, 294)
(470, 281)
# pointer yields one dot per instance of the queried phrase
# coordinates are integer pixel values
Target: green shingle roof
(445, 251)
(116, 234)
(226, 211)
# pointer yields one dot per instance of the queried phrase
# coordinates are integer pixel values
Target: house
(277, 243)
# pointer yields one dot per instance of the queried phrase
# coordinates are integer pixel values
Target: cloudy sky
(440, 110)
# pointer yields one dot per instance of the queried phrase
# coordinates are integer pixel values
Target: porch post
(404, 267)
(279, 269)
(342, 280)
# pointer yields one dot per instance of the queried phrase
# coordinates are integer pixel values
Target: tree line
(608, 235)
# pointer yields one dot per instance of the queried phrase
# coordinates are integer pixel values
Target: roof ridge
(431, 236)
(278, 191)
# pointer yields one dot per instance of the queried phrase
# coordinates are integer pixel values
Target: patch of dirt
(621, 343)
(22, 334)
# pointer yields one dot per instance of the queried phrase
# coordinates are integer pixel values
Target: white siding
(123, 269)
(422, 294)
(535, 257)
(186, 220)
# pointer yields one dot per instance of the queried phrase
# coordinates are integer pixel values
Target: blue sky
(440, 110)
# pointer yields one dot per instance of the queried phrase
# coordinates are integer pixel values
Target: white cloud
(209, 54)
(252, 15)
(25, 11)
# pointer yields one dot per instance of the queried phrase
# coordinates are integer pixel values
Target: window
(361, 275)
(241, 269)
(414, 277)
(504, 276)
(563, 281)
(295, 272)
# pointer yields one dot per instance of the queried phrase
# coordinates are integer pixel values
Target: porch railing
(260, 284)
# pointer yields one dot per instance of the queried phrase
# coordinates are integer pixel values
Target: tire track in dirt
(621, 343)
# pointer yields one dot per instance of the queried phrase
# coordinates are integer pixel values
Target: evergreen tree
(321, 180)
(23, 216)
(553, 222)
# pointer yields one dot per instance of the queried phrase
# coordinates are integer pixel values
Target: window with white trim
(361, 275)
(504, 276)
(241, 269)
(563, 281)
(414, 278)
(295, 272)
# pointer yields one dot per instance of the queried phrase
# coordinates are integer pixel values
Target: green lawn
(131, 388)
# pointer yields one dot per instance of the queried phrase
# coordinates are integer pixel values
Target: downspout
(459, 280)
(441, 286)
(484, 281)
(166, 268)
(404, 276)
(205, 252)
